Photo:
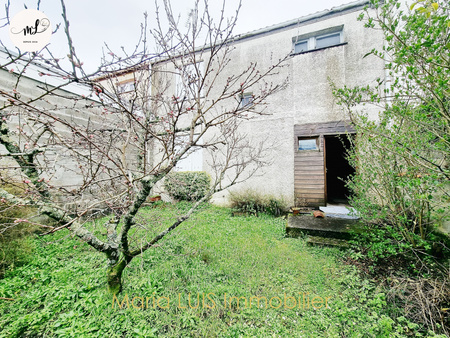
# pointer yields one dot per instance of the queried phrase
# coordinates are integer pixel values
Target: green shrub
(252, 202)
(379, 242)
(16, 245)
(187, 185)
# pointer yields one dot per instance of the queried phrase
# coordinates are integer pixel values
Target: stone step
(322, 241)
(329, 227)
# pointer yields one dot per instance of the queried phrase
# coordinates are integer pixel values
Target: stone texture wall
(308, 97)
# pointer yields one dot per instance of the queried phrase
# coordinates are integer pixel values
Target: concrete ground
(338, 211)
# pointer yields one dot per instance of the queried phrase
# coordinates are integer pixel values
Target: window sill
(317, 49)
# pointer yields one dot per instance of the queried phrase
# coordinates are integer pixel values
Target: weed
(190, 286)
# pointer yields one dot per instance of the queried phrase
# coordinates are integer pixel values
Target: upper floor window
(321, 39)
(125, 87)
(328, 40)
(246, 100)
(301, 46)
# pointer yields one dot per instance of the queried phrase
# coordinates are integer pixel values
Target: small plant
(187, 185)
(252, 202)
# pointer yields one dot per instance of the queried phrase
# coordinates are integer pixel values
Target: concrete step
(328, 227)
(322, 241)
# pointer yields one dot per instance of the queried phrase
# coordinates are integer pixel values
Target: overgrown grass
(254, 202)
(62, 292)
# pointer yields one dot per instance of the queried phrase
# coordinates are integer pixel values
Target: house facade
(305, 132)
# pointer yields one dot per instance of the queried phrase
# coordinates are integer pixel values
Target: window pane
(246, 100)
(301, 46)
(125, 87)
(307, 144)
(329, 40)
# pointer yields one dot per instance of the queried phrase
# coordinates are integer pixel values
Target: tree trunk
(114, 276)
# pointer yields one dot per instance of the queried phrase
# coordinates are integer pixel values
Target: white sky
(117, 22)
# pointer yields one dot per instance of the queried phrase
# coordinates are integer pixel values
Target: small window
(328, 40)
(125, 87)
(311, 143)
(246, 100)
(301, 46)
(317, 40)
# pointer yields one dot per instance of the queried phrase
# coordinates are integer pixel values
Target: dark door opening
(337, 168)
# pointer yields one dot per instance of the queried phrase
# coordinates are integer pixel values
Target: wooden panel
(308, 166)
(312, 170)
(308, 197)
(305, 154)
(309, 192)
(310, 177)
(316, 202)
(309, 171)
(309, 162)
(310, 185)
(318, 186)
(327, 128)
(305, 167)
(306, 178)
(301, 154)
(309, 158)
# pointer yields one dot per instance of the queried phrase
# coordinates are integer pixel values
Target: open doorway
(337, 168)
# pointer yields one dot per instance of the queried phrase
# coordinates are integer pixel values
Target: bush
(16, 245)
(379, 242)
(252, 202)
(187, 185)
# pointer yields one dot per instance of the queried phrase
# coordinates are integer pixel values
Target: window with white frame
(317, 40)
(301, 46)
(125, 87)
(246, 100)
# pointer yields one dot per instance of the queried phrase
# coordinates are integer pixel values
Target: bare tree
(73, 155)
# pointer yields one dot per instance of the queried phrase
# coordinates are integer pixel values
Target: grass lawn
(190, 287)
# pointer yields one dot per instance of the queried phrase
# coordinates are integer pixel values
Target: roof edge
(303, 19)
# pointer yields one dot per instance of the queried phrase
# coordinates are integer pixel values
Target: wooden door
(309, 160)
